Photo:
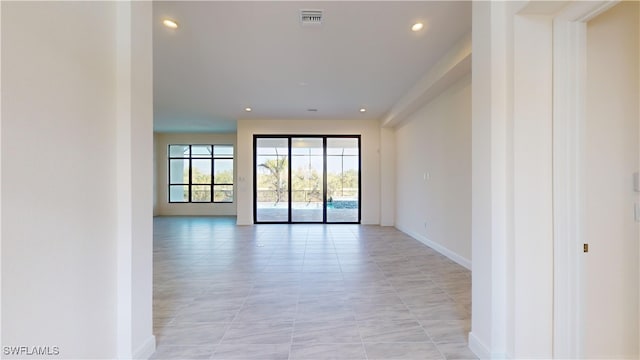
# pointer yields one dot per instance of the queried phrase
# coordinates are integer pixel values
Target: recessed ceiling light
(248, 109)
(172, 24)
(363, 110)
(417, 26)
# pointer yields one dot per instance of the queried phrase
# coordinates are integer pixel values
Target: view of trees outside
(202, 193)
(301, 196)
(274, 179)
(273, 183)
(342, 185)
(307, 184)
(202, 185)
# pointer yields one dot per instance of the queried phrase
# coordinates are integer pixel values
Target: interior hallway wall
(76, 172)
(59, 132)
(433, 176)
(611, 157)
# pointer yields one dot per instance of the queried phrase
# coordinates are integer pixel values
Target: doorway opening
(306, 179)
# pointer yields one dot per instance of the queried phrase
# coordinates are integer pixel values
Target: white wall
(370, 158)
(611, 157)
(512, 223)
(155, 177)
(163, 207)
(387, 176)
(433, 173)
(59, 172)
(488, 133)
(513, 244)
(533, 186)
(64, 119)
(1, 231)
(138, 168)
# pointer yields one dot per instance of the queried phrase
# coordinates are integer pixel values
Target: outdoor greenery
(275, 180)
(194, 161)
(201, 189)
(306, 183)
(223, 177)
(342, 185)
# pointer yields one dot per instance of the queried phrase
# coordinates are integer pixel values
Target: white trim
(450, 68)
(458, 259)
(124, 265)
(569, 66)
(532, 187)
(491, 174)
(589, 10)
(501, 174)
(146, 349)
(1, 343)
(569, 112)
(481, 349)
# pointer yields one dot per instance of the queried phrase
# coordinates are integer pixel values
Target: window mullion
(199, 160)
(213, 174)
(190, 186)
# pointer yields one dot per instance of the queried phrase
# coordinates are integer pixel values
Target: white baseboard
(482, 351)
(146, 350)
(466, 263)
(478, 347)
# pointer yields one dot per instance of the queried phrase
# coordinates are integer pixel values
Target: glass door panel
(343, 180)
(272, 180)
(307, 180)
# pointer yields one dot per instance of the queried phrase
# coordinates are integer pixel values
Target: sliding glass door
(271, 180)
(306, 179)
(343, 180)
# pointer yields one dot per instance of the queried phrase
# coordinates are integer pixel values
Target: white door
(610, 274)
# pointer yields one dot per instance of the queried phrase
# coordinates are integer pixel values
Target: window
(306, 179)
(200, 173)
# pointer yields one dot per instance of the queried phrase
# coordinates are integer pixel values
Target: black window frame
(212, 185)
(289, 138)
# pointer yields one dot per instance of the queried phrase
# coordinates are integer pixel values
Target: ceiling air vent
(311, 17)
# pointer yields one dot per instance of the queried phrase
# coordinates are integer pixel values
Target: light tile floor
(223, 291)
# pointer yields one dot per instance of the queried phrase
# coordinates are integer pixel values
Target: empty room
(320, 179)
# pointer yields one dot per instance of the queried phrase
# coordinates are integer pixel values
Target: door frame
(569, 87)
(289, 137)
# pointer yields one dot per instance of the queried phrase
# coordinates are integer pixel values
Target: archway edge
(516, 51)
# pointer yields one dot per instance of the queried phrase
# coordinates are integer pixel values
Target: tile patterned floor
(223, 291)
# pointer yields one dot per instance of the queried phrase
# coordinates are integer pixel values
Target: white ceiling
(226, 56)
